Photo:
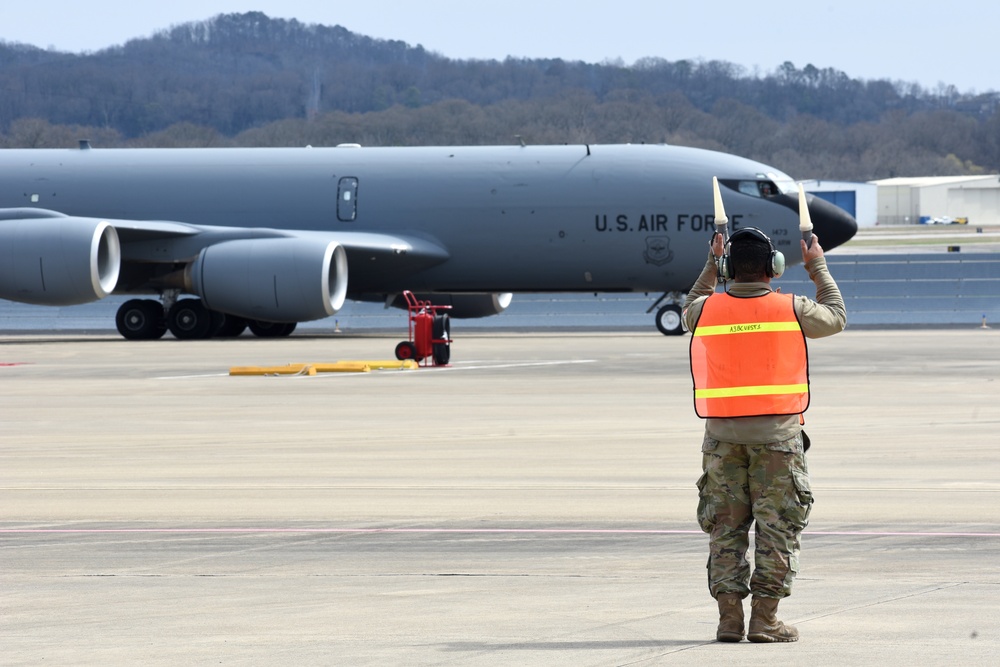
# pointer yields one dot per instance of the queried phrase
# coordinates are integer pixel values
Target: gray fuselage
(507, 219)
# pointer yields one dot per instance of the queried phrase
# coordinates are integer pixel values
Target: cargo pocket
(804, 497)
(706, 505)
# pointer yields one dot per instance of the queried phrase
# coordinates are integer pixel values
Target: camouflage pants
(746, 484)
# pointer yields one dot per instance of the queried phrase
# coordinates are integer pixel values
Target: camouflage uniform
(755, 467)
(742, 484)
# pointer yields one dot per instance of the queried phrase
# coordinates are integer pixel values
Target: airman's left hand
(718, 245)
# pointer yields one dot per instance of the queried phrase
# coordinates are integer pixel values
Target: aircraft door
(347, 199)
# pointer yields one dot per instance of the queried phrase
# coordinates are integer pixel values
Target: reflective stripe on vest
(748, 358)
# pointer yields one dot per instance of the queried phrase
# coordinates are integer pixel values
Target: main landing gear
(188, 319)
(141, 319)
(668, 318)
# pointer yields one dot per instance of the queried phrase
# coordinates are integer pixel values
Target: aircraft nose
(833, 225)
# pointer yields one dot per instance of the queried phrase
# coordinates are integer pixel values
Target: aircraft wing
(66, 260)
(160, 240)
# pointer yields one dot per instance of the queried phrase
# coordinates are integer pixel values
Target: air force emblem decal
(658, 250)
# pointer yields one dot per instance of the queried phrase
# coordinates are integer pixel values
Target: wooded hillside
(249, 80)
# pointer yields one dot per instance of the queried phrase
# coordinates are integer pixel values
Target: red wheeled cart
(430, 332)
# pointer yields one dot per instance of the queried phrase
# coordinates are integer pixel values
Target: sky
(928, 42)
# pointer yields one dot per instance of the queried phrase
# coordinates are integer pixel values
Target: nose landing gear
(668, 318)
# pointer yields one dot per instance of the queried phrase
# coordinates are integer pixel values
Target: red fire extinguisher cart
(430, 330)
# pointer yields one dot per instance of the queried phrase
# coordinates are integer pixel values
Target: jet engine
(465, 306)
(58, 261)
(272, 280)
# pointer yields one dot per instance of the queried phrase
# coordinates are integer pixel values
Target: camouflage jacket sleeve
(703, 288)
(826, 315)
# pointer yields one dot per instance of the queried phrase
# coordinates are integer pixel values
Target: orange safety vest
(749, 358)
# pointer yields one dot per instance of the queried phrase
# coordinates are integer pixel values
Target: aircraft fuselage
(536, 218)
(275, 236)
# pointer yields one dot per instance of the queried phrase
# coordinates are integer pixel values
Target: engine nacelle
(464, 306)
(274, 280)
(58, 261)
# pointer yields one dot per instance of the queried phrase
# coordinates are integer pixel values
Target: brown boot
(764, 624)
(730, 617)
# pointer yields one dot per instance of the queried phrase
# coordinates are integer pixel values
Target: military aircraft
(269, 237)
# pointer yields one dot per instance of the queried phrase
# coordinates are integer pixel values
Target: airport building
(941, 199)
(910, 201)
(858, 199)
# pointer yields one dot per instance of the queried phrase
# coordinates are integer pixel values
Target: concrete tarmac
(533, 504)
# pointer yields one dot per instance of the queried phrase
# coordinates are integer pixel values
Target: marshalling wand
(721, 223)
(805, 222)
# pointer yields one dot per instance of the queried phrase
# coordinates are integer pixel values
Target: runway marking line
(459, 531)
(363, 531)
(520, 364)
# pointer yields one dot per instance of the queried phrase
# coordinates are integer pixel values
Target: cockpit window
(755, 188)
(764, 185)
(784, 183)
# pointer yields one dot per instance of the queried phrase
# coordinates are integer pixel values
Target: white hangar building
(903, 201)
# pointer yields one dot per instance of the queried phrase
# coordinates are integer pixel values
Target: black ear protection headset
(775, 264)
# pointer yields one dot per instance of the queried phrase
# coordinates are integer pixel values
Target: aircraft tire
(406, 350)
(263, 329)
(218, 321)
(189, 319)
(669, 320)
(141, 319)
(441, 330)
(232, 326)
